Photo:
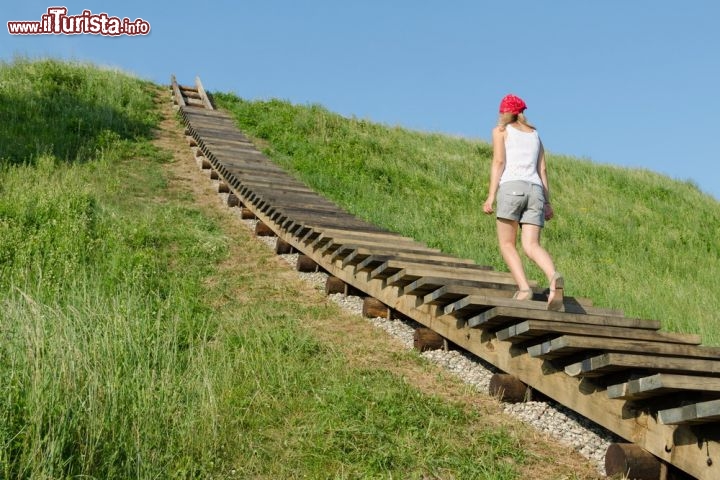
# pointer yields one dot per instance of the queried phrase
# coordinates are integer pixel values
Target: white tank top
(522, 150)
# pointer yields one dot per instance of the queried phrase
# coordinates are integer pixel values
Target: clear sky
(632, 83)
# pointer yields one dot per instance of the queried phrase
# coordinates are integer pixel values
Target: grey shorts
(523, 202)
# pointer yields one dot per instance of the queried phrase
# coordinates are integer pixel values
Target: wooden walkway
(658, 390)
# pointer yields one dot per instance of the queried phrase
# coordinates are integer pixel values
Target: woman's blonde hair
(508, 118)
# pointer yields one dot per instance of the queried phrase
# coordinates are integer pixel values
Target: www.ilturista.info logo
(57, 22)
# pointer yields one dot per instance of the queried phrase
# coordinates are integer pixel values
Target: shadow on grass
(68, 111)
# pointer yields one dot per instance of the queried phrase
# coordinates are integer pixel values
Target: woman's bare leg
(507, 238)
(531, 245)
(530, 237)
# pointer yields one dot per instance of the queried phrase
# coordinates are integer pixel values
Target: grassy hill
(141, 338)
(628, 239)
(142, 335)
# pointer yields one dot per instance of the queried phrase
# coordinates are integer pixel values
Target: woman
(518, 181)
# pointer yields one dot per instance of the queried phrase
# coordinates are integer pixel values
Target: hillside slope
(628, 239)
(145, 334)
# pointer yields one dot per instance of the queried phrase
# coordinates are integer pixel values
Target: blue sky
(630, 83)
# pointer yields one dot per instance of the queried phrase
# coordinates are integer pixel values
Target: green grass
(34, 94)
(118, 358)
(628, 239)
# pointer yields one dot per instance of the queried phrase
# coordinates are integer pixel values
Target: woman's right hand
(488, 205)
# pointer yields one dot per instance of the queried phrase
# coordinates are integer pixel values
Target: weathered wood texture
(233, 200)
(630, 461)
(374, 308)
(508, 388)
(662, 384)
(306, 264)
(701, 412)
(425, 339)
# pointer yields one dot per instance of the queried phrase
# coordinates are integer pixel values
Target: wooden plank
(379, 235)
(608, 363)
(283, 198)
(466, 287)
(211, 119)
(373, 259)
(236, 150)
(275, 210)
(573, 344)
(449, 294)
(213, 124)
(203, 117)
(464, 272)
(662, 384)
(472, 306)
(344, 221)
(293, 210)
(214, 118)
(530, 329)
(254, 180)
(369, 246)
(371, 241)
(287, 217)
(189, 92)
(259, 175)
(350, 258)
(365, 250)
(248, 187)
(192, 102)
(380, 264)
(411, 273)
(203, 94)
(310, 226)
(502, 312)
(702, 412)
(236, 153)
(212, 133)
(335, 223)
(425, 285)
(453, 292)
(370, 258)
(228, 143)
(391, 267)
(176, 91)
(344, 250)
(239, 154)
(289, 207)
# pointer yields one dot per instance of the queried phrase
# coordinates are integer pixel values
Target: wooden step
(452, 293)
(608, 363)
(382, 266)
(573, 344)
(425, 285)
(502, 313)
(530, 330)
(411, 273)
(353, 253)
(702, 412)
(662, 384)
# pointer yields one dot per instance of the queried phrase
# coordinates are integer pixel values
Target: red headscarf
(512, 104)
